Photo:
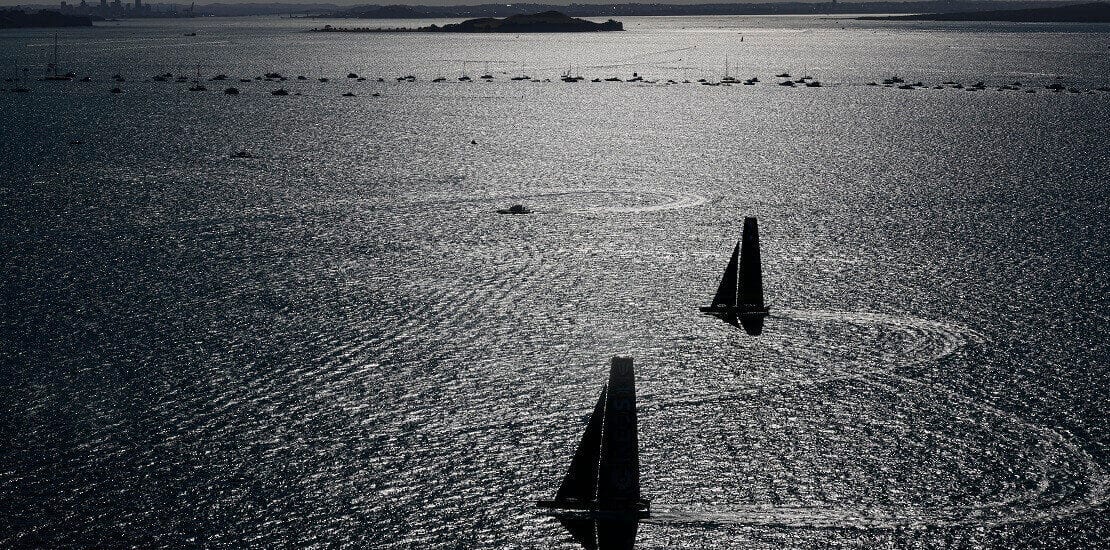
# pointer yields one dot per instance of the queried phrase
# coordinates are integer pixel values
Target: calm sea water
(338, 342)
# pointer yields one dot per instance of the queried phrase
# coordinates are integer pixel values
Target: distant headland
(1096, 12)
(548, 21)
(19, 19)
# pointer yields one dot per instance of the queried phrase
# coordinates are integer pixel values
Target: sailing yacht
(53, 66)
(740, 294)
(604, 475)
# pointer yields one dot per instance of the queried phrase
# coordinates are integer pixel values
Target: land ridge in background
(19, 19)
(548, 21)
(636, 9)
(1095, 12)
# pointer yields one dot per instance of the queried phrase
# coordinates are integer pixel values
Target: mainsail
(580, 483)
(726, 292)
(604, 475)
(751, 272)
(618, 482)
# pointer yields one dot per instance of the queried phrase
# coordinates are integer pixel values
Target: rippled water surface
(338, 342)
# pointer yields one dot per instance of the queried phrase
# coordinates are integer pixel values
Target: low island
(1096, 12)
(548, 21)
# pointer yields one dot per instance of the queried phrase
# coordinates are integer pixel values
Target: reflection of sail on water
(580, 482)
(751, 271)
(726, 292)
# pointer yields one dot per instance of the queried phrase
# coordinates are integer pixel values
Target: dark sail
(751, 271)
(580, 482)
(618, 482)
(726, 293)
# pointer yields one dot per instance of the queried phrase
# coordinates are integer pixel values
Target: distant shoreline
(1096, 12)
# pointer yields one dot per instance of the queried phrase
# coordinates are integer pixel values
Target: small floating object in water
(474, 142)
(244, 80)
(439, 79)
(361, 79)
(242, 154)
(515, 209)
(352, 75)
(280, 91)
(783, 75)
(117, 91)
(190, 34)
(380, 79)
(349, 94)
(613, 79)
(87, 79)
(375, 94)
(813, 84)
(232, 91)
(486, 77)
(905, 87)
(218, 78)
(302, 77)
(322, 79)
(464, 78)
(787, 83)
(596, 80)
(276, 76)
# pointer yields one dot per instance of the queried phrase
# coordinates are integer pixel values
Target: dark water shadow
(602, 534)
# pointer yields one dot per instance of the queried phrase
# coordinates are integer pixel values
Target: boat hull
(642, 509)
(743, 311)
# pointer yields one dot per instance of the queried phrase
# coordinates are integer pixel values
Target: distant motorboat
(190, 34)
(349, 94)
(242, 154)
(231, 91)
(515, 209)
(280, 91)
